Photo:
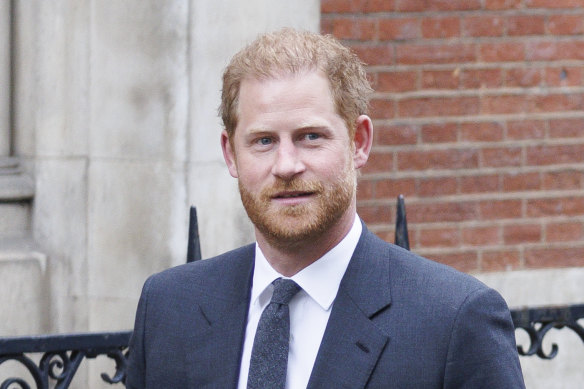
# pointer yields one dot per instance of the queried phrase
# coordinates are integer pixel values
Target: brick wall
(479, 122)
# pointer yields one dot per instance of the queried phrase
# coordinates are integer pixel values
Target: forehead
(306, 93)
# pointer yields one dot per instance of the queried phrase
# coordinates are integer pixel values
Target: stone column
(5, 86)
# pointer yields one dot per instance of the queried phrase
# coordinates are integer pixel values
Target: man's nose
(288, 162)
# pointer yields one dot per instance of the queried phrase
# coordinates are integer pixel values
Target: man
(362, 312)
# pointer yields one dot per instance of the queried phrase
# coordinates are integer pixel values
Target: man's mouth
(292, 195)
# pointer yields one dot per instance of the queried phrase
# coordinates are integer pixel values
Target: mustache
(295, 185)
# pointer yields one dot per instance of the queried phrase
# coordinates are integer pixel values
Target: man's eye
(312, 136)
(264, 141)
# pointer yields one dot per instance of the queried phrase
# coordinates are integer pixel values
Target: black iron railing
(61, 357)
(62, 354)
(537, 322)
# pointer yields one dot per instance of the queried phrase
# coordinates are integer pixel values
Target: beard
(290, 225)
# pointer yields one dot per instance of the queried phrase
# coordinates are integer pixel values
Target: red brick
(500, 260)
(439, 133)
(504, 104)
(396, 135)
(416, 54)
(381, 54)
(439, 237)
(563, 76)
(521, 77)
(564, 232)
(554, 257)
(399, 29)
(430, 187)
(563, 180)
(567, 128)
(437, 159)
(483, 26)
(565, 24)
(481, 236)
(386, 234)
(342, 6)
(378, 6)
(440, 212)
(525, 25)
(440, 79)
(375, 214)
(522, 233)
(397, 81)
(500, 209)
(410, 5)
(526, 129)
(521, 182)
(501, 156)
(438, 106)
(502, 4)
(443, 27)
(378, 162)
(466, 261)
(479, 184)
(391, 188)
(573, 206)
(481, 78)
(326, 25)
(353, 28)
(481, 132)
(365, 189)
(502, 52)
(381, 109)
(555, 155)
(542, 51)
(437, 5)
(554, 50)
(556, 102)
(553, 3)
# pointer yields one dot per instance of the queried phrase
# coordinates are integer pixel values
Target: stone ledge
(14, 185)
(21, 249)
(16, 188)
(21, 256)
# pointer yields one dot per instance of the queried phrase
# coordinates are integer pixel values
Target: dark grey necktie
(269, 355)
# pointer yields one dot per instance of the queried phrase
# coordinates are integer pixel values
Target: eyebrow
(305, 127)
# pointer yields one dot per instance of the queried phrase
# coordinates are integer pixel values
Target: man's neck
(289, 259)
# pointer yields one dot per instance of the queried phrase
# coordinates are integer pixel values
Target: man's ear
(229, 154)
(363, 140)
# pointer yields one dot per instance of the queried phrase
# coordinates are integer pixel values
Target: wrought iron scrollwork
(61, 357)
(120, 358)
(537, 322)
(40, 379)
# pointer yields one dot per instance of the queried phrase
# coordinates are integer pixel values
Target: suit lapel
(216, 350)
(352, 344)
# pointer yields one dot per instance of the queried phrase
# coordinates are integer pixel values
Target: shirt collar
(321, 279)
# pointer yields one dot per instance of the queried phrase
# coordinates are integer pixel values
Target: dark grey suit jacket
(398, 321)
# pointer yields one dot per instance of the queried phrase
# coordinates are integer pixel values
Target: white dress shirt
(309, 309)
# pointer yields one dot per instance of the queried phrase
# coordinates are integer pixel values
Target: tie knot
(284, 290)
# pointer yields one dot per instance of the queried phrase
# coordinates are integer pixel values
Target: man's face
(293, 158)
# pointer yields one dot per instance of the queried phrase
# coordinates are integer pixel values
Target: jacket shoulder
(204, 275)
(413, 275)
